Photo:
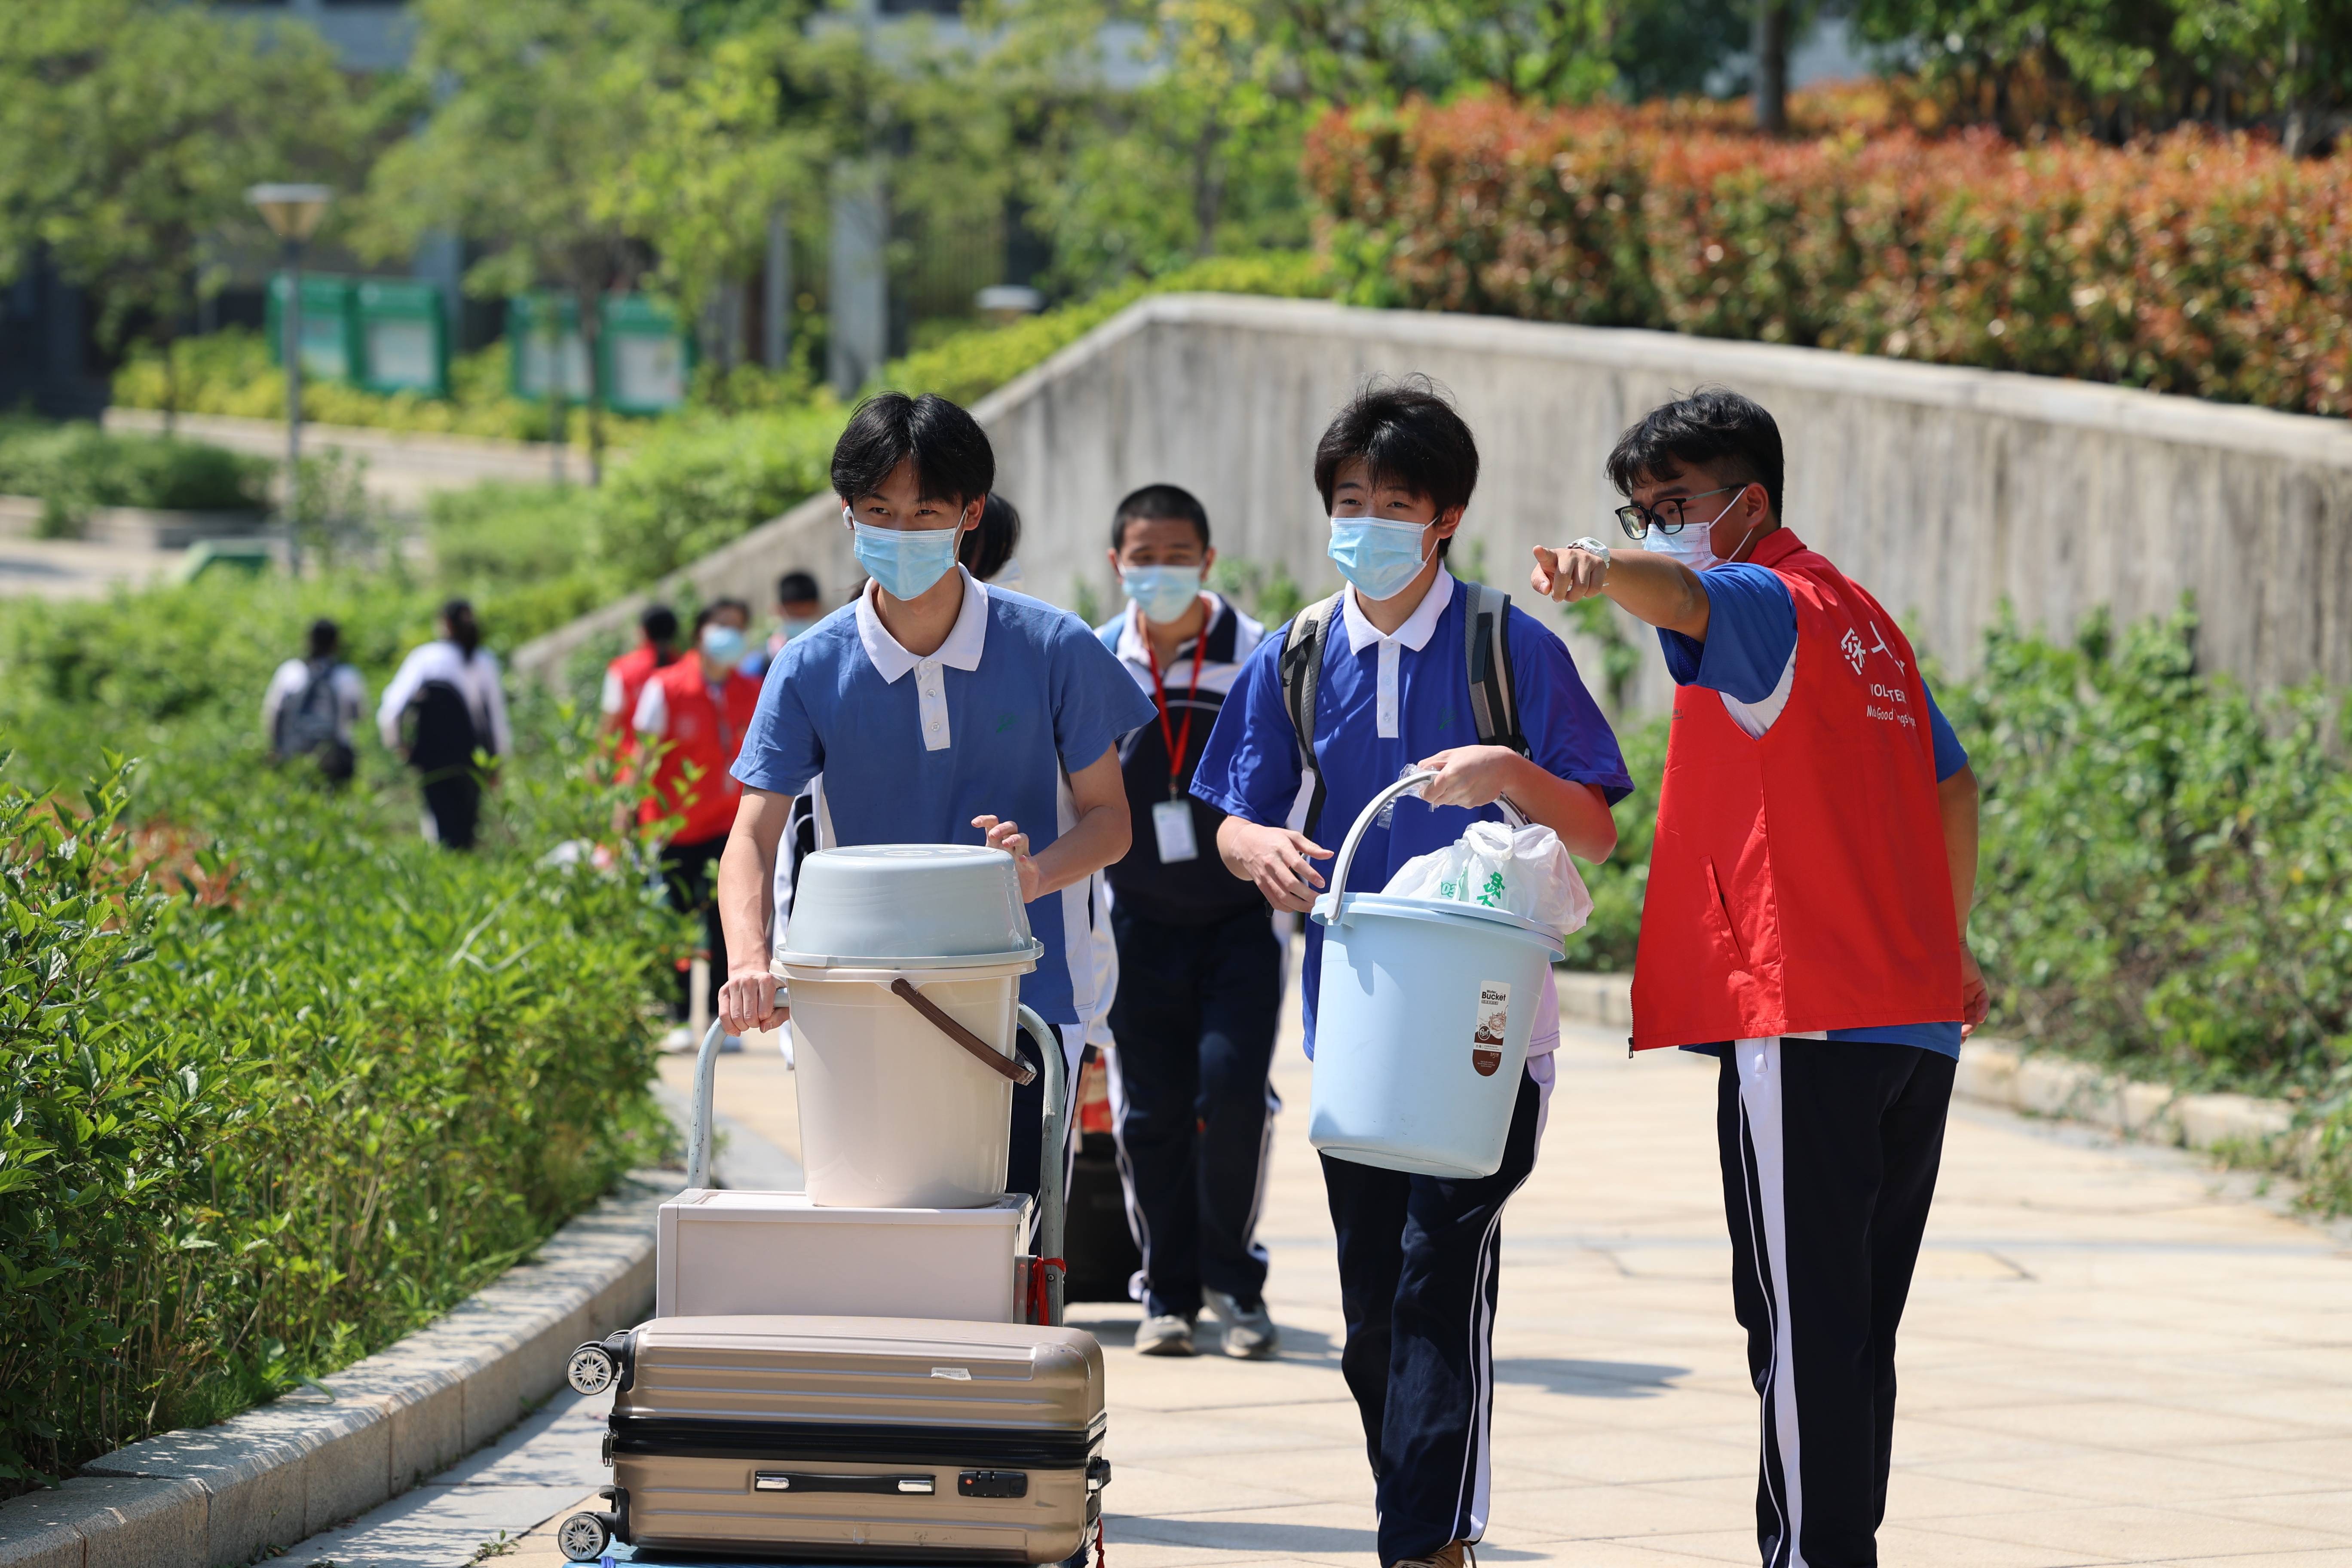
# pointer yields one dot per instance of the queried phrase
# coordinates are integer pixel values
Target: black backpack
(1487, 655)
(442, 736)
(311, 725)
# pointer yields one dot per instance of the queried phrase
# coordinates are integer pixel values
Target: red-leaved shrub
(2200, 263)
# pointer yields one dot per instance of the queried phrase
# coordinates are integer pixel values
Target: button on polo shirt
(1414, 635)
(1018, 692)
(965, 641)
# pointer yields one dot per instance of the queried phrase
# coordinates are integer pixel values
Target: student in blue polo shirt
(939, 710)
(1418, 1254)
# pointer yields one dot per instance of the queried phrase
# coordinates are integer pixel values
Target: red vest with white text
(1798, 881)
(708, 735)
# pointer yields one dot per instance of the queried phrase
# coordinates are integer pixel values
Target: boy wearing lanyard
(1200, 967)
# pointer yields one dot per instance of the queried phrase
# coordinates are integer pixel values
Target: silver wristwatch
(1591, 546)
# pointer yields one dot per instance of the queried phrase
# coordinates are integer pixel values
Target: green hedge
(76, 466)
(279, 1081)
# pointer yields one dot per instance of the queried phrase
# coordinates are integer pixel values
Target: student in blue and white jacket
(1418, 1254)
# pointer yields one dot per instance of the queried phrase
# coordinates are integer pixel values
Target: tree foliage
(135, 127)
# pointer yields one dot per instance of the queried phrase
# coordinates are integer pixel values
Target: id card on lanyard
(1171, 819)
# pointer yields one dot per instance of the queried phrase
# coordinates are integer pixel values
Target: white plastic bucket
(893, 1114)
(1422, 1022)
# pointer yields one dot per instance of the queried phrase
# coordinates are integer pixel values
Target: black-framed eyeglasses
(1667, 516)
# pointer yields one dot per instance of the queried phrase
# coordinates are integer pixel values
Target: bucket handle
(1014, 1069)
(1330, 908)
(1335, 913)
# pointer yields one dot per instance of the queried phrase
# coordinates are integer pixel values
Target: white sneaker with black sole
(1250, 1334)
(1166, 1334)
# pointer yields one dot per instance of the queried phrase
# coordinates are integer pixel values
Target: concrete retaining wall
(1944, 490)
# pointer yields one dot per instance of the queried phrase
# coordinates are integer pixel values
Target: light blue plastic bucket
(1420, 1024)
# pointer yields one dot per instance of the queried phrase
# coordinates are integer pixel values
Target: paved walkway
(2108, 1359)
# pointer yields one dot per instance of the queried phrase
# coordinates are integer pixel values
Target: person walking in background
(987, 550)
(938, 711)
(1392, 689)
(448, 699)
(311, 705)
(696, 711)
(799, 606)
(1830, 975)
(1200, 969)
(625, 677)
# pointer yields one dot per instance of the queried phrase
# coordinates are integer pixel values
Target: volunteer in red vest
(1808, 894)
(625, 677)
(696, 710)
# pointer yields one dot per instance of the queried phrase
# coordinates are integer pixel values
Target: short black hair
(659, 623)
(325, 639)
(710, 612)
(1713, 426)
(985, 549)
(1171, 503)
(953, 460)
(796, 588)
(1410, 434)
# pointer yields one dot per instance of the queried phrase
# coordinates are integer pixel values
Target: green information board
(546, 353)
(644, 364)
(330, 347)
(403, 336)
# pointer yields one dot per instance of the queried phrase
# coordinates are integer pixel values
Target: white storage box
(724, 1254)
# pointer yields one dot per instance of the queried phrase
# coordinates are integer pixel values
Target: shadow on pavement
(1592, 1379)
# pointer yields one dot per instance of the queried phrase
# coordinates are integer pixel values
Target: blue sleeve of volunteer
(1250, 768)
(1565, 734)
(781, 751)
(1950, 755)
(1751, 630)
(1096, 701)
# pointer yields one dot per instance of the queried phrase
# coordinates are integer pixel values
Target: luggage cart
(591, 1537)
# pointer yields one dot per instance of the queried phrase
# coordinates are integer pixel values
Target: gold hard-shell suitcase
(848, 1438)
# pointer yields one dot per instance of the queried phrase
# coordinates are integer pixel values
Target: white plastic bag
(1524, 871)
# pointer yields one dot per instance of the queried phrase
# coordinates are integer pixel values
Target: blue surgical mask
(904, 561)
(791, 626)
(722, 646)
(1378, 557)
(1162, 592)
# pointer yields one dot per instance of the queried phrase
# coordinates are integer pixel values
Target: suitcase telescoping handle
(1051, 1176)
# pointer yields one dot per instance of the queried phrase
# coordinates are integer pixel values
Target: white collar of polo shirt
(960, 651)
(1418, 628)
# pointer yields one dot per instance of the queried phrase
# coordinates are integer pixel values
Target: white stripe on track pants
(1830, 1150)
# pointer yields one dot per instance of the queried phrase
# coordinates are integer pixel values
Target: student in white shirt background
(312, 704)
(453, 684)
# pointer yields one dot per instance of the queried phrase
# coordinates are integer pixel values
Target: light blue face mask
(1162, 593)
(722, 646)
(1378, 557)
(904, 561)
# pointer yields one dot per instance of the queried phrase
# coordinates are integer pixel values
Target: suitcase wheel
(583, 1537)
(590, 1371)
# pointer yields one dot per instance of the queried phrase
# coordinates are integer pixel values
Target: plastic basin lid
(930, 905)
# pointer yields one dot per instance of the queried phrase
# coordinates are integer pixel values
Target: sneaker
(1165, 1336)
(1250, 1334)
(730, 1043)
(1453, 1554)
(678, 1041)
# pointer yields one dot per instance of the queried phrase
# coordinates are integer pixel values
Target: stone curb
(276, 1475)
(1997, 1072)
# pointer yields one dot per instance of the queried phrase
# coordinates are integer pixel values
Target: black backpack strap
(1487, 655)
(1301, 669)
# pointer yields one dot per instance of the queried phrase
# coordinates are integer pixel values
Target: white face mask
(1695, 545)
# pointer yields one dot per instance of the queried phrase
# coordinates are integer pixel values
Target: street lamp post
(292, 213)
